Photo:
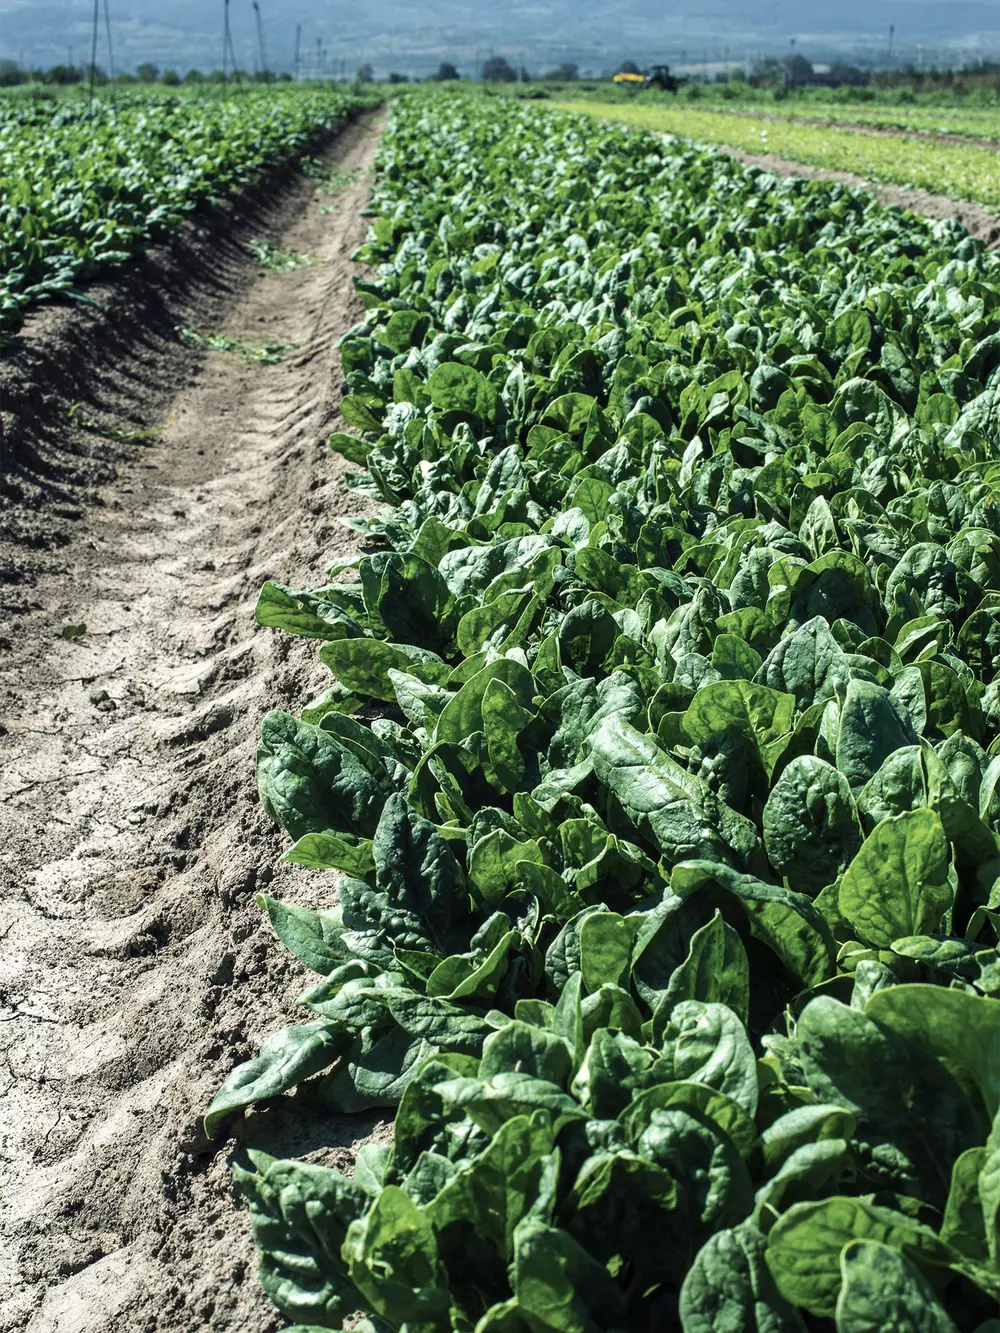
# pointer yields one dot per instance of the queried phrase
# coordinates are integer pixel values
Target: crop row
(970, 122)
(85, 187)
(979, 125)
(961, 171)
(984, 126)
(659, 760)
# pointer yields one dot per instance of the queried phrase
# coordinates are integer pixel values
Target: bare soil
(976, 219)
(135, 970)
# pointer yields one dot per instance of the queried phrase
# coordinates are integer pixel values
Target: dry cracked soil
(150, 487)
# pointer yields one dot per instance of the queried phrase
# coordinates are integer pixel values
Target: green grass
(267, 354)
(277, 260)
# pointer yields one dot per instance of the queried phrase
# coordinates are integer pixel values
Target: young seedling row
(660, 760)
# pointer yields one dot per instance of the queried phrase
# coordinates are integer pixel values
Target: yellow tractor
(659, 77)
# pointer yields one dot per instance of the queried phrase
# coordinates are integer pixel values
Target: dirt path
(134, 970)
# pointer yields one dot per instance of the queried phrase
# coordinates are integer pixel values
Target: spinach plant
(659, 761)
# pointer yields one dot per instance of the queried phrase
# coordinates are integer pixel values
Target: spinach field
(660, 759)
(86, 187)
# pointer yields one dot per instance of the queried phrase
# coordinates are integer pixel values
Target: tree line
(12, 75)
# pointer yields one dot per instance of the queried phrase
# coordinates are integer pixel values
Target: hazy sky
(414, 36)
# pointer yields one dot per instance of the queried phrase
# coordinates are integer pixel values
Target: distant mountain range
(413, 38)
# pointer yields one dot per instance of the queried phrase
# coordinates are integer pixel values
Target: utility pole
(892, 30)
(298, 53)
(262, 53)
(111, 47)
(225, 41)
(232, 48)
(93, 50)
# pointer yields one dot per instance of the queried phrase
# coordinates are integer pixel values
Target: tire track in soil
(135, 971)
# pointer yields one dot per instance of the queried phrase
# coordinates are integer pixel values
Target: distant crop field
(961, 171)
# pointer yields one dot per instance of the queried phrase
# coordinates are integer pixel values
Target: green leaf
(313, 937)
(494, 1191)
(989, 1191)
(788, 923)
(883, 1293)
(811, 828)
(716, 969)
(363, 665)
(349, 447)
(683, 815)
(916, 1111)
(729, 1288)
(300, 1213)
(802, 1126)
(374, 1072)
(871, 728)
(449, 1026)
(459, 978)
(491, 1102)
(503, 721)
(710, 1046)
(304, 613)
(416, 868)
(309, 782)
(409, 601)
(805, 1244)
(392, 1259)
(805, 663)
(286, 1058)
(559, 1288)
(606, 947)
(960, 1029)
(457, 388)
(898, 882)
(964, 1226)
(730, 1116)
(520, 1047)
(333, 851)
(464, 713)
